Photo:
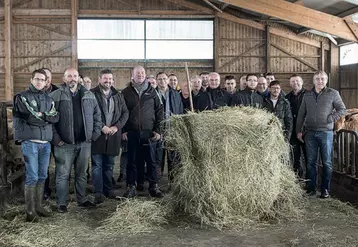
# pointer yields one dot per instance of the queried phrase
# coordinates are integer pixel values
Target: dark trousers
(299, 149)
(102, 173)
(141, 149)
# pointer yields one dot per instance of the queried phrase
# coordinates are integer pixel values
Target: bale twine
(234, 168)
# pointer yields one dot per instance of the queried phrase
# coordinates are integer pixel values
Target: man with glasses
(280, 107)
(34, 113)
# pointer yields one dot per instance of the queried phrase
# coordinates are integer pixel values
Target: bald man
(80, 124)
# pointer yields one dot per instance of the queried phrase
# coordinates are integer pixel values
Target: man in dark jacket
(248, 97)
(262, 87)
(34, 113)
(319, 109)
(114, 115)
(280, 107)
(80, 124)
(172, 106)
(201, 99)
(142, 130)
(295, 99)
(49, 88)
(219, 96)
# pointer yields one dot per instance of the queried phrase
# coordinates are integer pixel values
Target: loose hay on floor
(234, 168)
(135, 216)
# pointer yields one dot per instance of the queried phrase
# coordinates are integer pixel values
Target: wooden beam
(134, 13)
(299, 2)
(321, 59)
(51, 29)
(224, 6)
(295, 57)
(41, 12)
(333, 40)
(9, 73)
(334, 67)
(242, 54)
(217, 43)
(42, 58)
(268, 49)
(74, 52)
(127, 4)
(351, 25)
(282, 32)
(212, 5)
(299, 15)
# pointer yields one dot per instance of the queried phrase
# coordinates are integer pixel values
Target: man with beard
(248, 97)
(219, 96)
(114, 115)
(280, 107)
(34, 113)
(204, 77)
(201, 99)
(295, 98)
(142, 130)
(80, 124)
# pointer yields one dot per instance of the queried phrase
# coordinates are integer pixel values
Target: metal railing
(347, 151)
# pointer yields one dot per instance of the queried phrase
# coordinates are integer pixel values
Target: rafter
(212, 5)
(299, 15)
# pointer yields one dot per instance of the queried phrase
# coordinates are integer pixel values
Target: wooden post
(268, 50)
(189, 87)
(216, 43)
(74, 13)
(9, 73)
(321, 65)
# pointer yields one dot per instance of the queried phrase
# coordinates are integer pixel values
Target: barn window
(145, 39)
(348, 54)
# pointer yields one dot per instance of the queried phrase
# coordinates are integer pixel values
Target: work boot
(140, 187)
(131, 192)
(324, 194)
(40, 210)
(31, 215)
(154, 191)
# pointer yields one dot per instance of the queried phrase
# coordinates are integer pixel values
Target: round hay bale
(135, 216)
(234, 167)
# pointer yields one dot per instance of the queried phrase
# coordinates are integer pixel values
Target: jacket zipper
(139, 114)
(84, 119)
(71, 120)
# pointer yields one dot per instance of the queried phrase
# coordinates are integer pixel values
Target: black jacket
(110, 144)
(28, 125)
(295, 103)
(282, 111)
(63, 130)
(145, 113)
(201, 102)
(52, 88)
(219, 97)
(176, 104)
(247, 98)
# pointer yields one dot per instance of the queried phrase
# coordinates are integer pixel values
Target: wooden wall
(349, 85)
(45, 41)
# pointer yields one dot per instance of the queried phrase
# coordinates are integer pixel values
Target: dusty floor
(325, 223)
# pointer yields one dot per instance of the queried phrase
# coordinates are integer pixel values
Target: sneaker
(324, 194)
(155, 192)
(140, 187)
(87, 204)
(62, 209)
(130, 193)
(98, 199)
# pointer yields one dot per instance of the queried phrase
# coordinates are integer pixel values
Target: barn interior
(231, 37)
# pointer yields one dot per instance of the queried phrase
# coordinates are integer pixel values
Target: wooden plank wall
(349, 85)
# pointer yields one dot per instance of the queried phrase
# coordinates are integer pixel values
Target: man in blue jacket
(34, 113)
(319, 109)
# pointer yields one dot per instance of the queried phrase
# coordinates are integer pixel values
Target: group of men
(76, 124)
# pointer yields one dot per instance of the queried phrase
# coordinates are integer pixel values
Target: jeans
(321, 141)
(65, 156)
(141, 149)
(299, 148)
(36, 156)
(102, 173)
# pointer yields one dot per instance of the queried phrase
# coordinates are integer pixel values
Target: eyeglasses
(39, 79)
(162, 79)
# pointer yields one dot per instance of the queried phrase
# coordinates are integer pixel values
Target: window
(348, 54)
(145, 39)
